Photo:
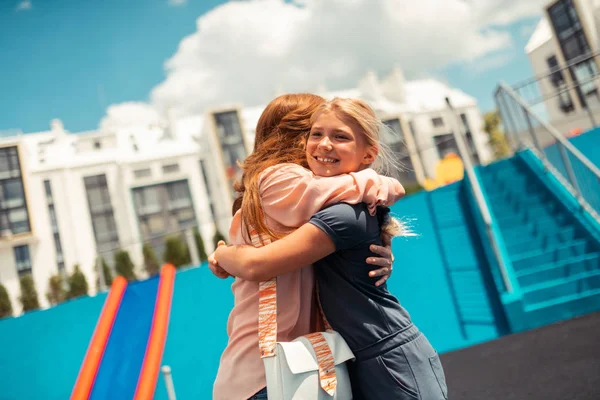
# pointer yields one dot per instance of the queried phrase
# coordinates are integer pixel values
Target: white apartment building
(65, 197)
(567, 35)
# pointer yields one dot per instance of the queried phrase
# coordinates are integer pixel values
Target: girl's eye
(341, 137)
(314, 134)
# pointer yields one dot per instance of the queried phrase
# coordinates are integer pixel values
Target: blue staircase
(555, 259)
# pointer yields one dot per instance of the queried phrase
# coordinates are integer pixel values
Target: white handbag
(311, 367)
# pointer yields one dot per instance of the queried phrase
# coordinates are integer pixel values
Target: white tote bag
(311, 367)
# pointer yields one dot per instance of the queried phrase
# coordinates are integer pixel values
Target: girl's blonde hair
(363, 115)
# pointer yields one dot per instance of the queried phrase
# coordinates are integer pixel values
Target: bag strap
(267, 326)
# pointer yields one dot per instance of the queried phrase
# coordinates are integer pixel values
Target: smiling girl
(394, 360)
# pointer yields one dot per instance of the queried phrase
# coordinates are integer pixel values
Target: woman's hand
(385, 262)
(213, 264)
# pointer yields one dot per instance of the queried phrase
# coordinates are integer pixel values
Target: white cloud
(177, 3)
(24, 5)
(244, 51)
(130, 114)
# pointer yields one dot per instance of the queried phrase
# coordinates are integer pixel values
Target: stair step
(515, 244)
(561, 287)
(554, 254)
(557, 270)
(539, 227)
(562, 308)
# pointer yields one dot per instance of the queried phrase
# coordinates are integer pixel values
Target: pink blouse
(290, 195)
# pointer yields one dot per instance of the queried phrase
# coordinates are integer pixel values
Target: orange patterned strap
(325, 360)
(267, 305)
(267, 317)
(267, 327)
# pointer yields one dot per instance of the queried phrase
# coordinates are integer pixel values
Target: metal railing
(569, 91)
(527, 129)
(492, 231)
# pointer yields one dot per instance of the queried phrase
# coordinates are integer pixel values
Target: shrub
(5, 304)
(78, 285)
(150, 261)
(106, 271)
(200, 246)
(56, 290)
(124, 266)
(176, 252)
(29, 296)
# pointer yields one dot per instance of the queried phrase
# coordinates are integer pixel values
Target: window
(437, 122)
(229, 135)
(162, 209)
(97, 144)
(574, 44)
(14, 216)
(445, 144)
(170, 168)
(101, 212)
(142, 173)
(22, 259)
(54, 226)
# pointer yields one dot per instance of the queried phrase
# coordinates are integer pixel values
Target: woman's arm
(300, 248)
(291, 194)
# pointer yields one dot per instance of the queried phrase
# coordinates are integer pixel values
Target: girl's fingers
(382, 280)
(380, 272)
(384, 252)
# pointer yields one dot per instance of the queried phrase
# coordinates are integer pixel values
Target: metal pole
(569, 168)
(485, 211)
(189, 237)
(166, 370)
(101, 280)
(534, 137)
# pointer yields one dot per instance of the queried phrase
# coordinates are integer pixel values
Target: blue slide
(123, 357)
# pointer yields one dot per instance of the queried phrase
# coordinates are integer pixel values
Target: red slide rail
(158, 335)
(93, 357)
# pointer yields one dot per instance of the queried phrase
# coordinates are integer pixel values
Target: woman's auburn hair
(280, 138)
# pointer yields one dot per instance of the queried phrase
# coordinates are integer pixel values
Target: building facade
(67, 199)
(564, 54)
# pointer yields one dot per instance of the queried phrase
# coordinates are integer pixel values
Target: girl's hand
(385, 261)
(213, 264)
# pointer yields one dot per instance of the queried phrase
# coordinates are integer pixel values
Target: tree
(108, 276)
(5, 304)
(497, 138)
(200, 246)
(176, 252)
(56, 290)
(124, 266)
(78, 285)
(150, 261)
(218, 236)
(29, 296)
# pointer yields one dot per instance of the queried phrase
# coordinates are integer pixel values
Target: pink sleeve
(291, 194)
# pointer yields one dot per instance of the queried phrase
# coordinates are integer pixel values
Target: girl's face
(337, 147)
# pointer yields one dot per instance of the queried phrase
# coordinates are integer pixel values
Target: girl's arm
(302, 247)
(291, 194)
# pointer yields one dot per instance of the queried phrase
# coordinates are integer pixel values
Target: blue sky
(70, 59)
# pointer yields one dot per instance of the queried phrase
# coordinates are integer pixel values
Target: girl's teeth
(328, 160)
